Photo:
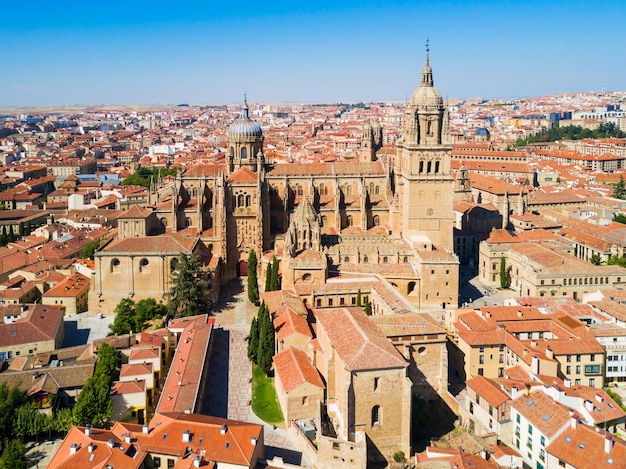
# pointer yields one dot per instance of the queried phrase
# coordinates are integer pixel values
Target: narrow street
(229, 391)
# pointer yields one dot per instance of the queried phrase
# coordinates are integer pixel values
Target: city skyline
(152, 53)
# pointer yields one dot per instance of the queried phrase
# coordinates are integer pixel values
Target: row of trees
(573, 132)
(94, 404)
(143, 176)
(19, 419)
(619, 192)
(261, 340)
(272, 278)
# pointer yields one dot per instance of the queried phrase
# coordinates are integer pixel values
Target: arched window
(348, 189)
(437, 167)
(232, 151)
(173, 264)
(371, 187)
(376, 190)
(346, 259)
(376, 220)
(410, 288)
(164, 222)
(244, 153)
(143, 265)
(323, 190)
(115, 265)
(349, 220)
(324, 220)
(376, 415)
(247, 201)
(240, 200)
(365, 260)
(273, 190)
(298, 190)
(385, 260)
(429, 167)
(187, 221)
(421, 166)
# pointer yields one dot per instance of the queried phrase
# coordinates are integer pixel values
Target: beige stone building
(391, 216)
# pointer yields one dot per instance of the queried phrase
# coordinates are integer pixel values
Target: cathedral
(391, 217)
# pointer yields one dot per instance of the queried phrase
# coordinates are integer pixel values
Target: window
(577, 369)
(501, 358)
(530, 429)
(481, 359)
(143, 265)
(170, 463)
(517, 418)
(578, 357)
(376, 383)
(115, 265)
(375, 415)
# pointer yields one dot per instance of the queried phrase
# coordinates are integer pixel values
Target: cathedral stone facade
(391, 216)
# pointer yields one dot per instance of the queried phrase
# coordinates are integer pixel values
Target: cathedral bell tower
(422, 166)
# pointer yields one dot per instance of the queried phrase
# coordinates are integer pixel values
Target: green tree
(29, 228)
(108, 364)
(616, 260)
(21, 229)
(88, 251)
(595, 259)
(13, 455)
(368, 307)
(268, 278)
(190, 288)
(94, 404)
(620, 218)
(11, 236)
(253, 284)
(275, 278)
(147, 310)
(11, 398)
(63, 420)
(124, 321)
(266, 341)
(502, 272)
(253, 341)
(619, 191)
(358, 298)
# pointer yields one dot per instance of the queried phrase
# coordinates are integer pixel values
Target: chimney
(223, 429)
(90, 447)
(187, 410)
(608, 443)
(513, 391)
(588, 405)
(567, 382)
(253, 440)
(535, 365)
(196, 461)
(110, 443)
(127, 438)
(549, 353)
(483, 454)
(88, 429)
(186, 436)
(73, 449)
(573, 421)
(144, 429)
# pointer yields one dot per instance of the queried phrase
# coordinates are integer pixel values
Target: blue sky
(149, 52)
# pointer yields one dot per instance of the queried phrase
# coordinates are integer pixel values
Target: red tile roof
(294, 368)
(359, 343)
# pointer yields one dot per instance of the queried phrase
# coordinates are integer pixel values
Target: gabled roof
(358, 342)
(586, 447)
(294, 368)
(244, 175)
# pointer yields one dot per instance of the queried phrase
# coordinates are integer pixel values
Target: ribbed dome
(244, 126)
(427, 94)
(482, 132)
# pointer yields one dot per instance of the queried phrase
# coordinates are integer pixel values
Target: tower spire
(427, 72)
